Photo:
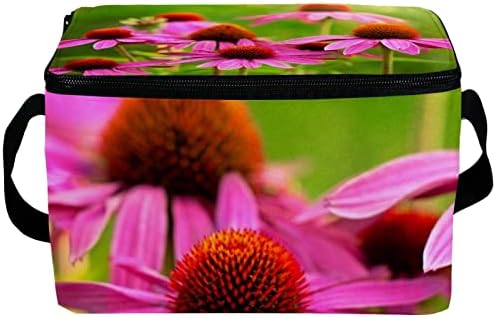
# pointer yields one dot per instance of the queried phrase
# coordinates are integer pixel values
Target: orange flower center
(108, 34)
(181, 16)
(313, 46)
(247, 52)
(397, 240)
(184, 145)
(312, 7)
(90, 64)
(238, 271)
(386, 31)
(225, 32)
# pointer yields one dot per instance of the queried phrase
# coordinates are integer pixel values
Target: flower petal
(135, 267)
(433, 43)
(359, 47)
(140, 232)
(87, 228)
(437, 252)
(317, 38)
(108, 298)
(105, 44)
(344, 44)
(83, 196)
(230, 65)
(192, 222)
(236, 205)
(205, 46)
(74, 42)
(375, 293)
(377, 190)
(402, 46)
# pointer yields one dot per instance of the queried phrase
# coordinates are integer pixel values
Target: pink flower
(397, 37)
(313, 13)
(102, 66)
(361, 201)
(110, 37)
(240, 271)
(211, 37)
(183, 23)
(121, 164)
(246, 54)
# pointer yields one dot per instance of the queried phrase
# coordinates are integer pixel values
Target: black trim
(254, 87)
(28, 220)
(475, 183)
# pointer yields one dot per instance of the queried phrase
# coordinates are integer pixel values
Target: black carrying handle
(475, 183)
(28, 220)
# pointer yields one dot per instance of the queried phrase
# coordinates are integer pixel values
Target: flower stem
(388, 60)
(216, 71)
(243, 71)
(325, 27)
(122, 51)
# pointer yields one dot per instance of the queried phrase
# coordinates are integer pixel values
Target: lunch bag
(251, 158)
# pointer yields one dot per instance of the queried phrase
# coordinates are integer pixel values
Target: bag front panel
(183, 205)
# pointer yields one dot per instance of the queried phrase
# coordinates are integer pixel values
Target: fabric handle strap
(28, 220)
(475, 183)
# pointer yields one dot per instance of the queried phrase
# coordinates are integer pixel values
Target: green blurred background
(425, 21)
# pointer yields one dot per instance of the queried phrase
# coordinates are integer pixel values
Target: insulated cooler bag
(254, 158)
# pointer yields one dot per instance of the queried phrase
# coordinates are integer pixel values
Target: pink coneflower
(216, 36)
(240, 271)
(391, 37)
(408, 241)
(322, 13)
(245, 55)
(167, 168)
(103, 66)
(111, 37)
(183, 23)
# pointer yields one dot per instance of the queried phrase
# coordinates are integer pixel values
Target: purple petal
(343, 44)
(105, 44)
(375, 293)
(140, 232)
(359, 47)
(83, 196)
(210, 64)
(108, 298)
(192, 222)
(246, 42)
(134, 267)
(230, 64)
(87, 228)
(59, 70)
(208, 46)
(251, 64)
(274, 63)
(236, 205)
(100, 72)
(403, 46)
(74, 42)
(379, 189)
(437, 252)
(433, 43)
(225, 45)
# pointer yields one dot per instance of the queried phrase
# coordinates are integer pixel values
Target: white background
(30, 31)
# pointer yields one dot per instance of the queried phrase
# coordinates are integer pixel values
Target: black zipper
(252, 87)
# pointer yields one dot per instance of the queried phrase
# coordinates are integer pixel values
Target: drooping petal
(105, 44)
(140, 232)
(274, 63)
(317, 38)
(86, 229)
(360, 47)
(74, 42)
(108, 298)
(236, 205)
(134, 267)
(205, 46)
(192, 222)
(377, 190)
(374, 293)
(344, 44)
(83, 196)
(59, 70)
(403, 46)
(437, 252)
(230, 64)
(433, 43)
